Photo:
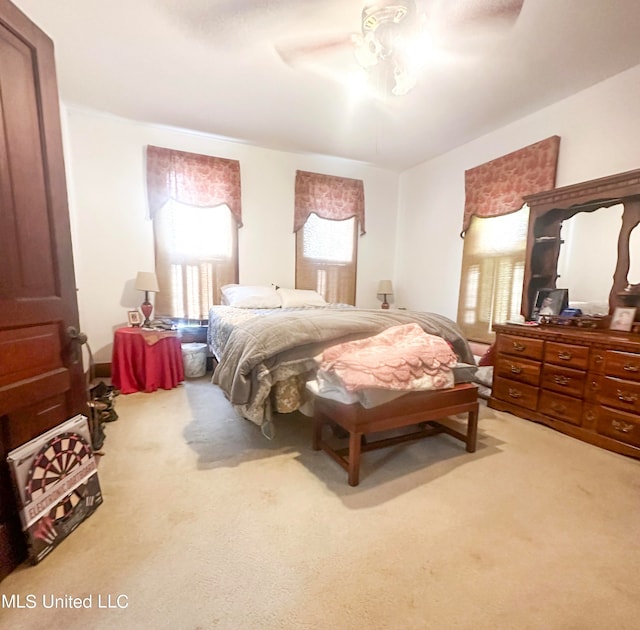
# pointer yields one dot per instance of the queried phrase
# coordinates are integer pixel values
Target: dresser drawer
(566, 354)
(516, 393)
(620, 394)
(619, 425)
(521, 346)
(561, 407)
(585, 384)
(518, 369)
(563, 380)
(622, 364)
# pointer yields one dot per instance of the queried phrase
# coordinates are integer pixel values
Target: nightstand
(146, 360)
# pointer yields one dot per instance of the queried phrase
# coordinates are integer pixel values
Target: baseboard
(103, 370)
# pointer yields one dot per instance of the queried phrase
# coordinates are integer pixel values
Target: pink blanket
(400, 358)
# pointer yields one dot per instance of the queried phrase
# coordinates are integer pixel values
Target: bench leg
(318, 423)
(472, 430)
(355, 443)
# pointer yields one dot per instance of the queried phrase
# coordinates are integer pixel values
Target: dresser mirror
(586, 271)
(582, 237)
(634, 254)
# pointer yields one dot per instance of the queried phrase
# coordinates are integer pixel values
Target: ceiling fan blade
(227, 8)
(475, 14)
(291, 52)
(467, 28)
(243, 22)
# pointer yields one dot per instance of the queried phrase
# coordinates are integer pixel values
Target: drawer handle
(559, 407)
(565, 356)
(626, 397)
(590, 415)
(561, 380)
(516, 369)
(623, 427)
(630, 368)
(515, 393)
(598, 358)
(594, 385)
(518, 347)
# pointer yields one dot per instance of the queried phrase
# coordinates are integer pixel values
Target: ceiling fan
(393, 33)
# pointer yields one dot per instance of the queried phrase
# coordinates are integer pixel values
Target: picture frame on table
(623, 318)
(549, 302)
(134, 318)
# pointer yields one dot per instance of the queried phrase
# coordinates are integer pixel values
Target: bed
(265, 355)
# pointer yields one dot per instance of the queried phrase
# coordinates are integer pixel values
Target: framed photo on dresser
(549, 302)
(623, 318)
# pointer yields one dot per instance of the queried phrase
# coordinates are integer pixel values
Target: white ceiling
(212, 66)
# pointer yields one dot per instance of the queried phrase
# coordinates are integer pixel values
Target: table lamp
(146, 281)
(384, 289)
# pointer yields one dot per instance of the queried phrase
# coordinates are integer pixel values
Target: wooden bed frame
(421, 409)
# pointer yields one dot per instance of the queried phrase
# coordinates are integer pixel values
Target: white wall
(413, 222)
(113, 237)
(600, 135)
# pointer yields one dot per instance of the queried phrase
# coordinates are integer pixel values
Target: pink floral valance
(198, 180)
(497, 187)
(330, 197)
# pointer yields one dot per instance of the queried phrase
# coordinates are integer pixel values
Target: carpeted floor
(206, 524)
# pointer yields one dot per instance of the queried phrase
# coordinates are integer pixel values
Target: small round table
(145, 360)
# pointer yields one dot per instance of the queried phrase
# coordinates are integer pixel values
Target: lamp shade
(385, 287)
(147, 281)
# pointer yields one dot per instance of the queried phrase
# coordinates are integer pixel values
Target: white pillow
(300, 297)
(244, 296)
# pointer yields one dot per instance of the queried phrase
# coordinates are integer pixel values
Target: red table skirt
(139, 366)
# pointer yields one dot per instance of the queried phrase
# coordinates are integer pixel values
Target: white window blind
(196, 253)
(326, 252)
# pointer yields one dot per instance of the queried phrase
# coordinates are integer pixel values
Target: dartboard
(57, 459)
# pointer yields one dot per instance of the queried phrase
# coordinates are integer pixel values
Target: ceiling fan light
(385, 11)
(367, 50)
(389, 31)
(405, 81)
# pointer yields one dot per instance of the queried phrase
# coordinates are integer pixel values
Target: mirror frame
(547, 211)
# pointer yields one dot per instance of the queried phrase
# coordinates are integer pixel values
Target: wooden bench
(421, 409)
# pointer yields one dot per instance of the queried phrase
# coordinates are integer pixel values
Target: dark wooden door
(41, 376)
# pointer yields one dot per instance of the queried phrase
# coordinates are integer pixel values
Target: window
(326, 252)
(494, 250)
(492, 273)
(195, 256)
(194, 203)
(327, 213)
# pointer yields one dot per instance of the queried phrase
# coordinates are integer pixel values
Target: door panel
(41, 376)
(28, 352)
(29, 273)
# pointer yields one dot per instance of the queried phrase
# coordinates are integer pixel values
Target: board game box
(56, 482)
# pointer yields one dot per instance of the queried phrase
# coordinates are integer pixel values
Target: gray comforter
(260, 351)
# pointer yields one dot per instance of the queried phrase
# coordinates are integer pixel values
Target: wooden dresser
(583, 383)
